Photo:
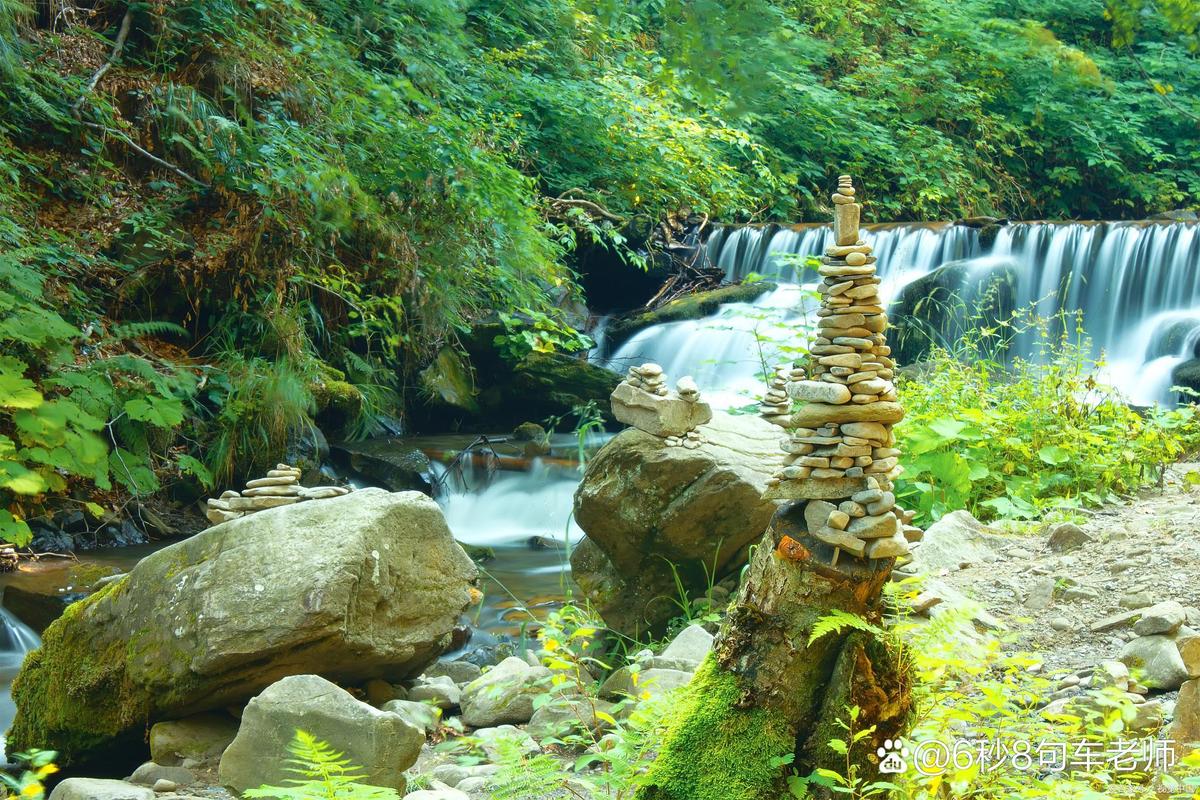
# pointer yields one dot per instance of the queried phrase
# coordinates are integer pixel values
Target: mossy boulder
(482, 389)
(653, 513)
(692, 306)
(368, 585)
(1187, 374)
(939, 307)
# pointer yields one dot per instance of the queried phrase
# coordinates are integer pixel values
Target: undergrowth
(1010, 437)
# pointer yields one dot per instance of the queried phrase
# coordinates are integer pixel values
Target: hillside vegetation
(223, 219)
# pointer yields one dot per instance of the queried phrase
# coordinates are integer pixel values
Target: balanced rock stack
(776, 407)
(280, 487)
(643, 401)
(841, 455)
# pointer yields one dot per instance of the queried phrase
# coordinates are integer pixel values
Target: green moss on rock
(692, 306)
(744, 761)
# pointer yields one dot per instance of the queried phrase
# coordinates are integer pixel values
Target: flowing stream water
(1137, 285)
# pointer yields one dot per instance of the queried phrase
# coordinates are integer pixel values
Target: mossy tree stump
(766, 692)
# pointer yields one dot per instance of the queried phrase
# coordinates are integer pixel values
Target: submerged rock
(356, 587)
(382, 744)
(654, 512)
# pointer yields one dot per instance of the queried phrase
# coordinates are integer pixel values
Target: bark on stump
(766, 692)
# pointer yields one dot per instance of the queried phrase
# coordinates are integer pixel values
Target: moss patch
(71, 694)
(692, 306)
(714, 750)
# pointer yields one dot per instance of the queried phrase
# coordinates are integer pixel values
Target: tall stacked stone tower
(841, 456)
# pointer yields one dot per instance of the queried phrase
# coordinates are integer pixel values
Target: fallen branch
(118, 46)
(134, 146)
(595, 208)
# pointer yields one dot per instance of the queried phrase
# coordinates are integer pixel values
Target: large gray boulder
(381, 743)
(651, 511)
(356, 587)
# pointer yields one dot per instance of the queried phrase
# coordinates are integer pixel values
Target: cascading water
(16, 639)
(1136, 284)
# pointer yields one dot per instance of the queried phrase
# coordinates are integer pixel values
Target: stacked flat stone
(280, 487)
(840, 455)
(643, 401)
(649, 378)
(776, 406)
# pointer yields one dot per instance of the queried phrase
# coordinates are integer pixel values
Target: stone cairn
(840, 456)
(280, 487)
(643, 401)
(776, 407)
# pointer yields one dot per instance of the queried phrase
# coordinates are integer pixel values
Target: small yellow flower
(32, 790)
(551, 645)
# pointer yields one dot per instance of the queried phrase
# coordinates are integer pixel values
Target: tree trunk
(767, 694)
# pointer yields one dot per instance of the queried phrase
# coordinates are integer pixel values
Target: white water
(16, 639)
(1136, 284)
(513, 507)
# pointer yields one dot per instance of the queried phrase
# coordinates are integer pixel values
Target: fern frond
(837, 621)
(133, 330)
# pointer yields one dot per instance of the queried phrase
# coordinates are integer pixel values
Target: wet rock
(504, 694)
(201, 625)
(646, 506)
(199, 739)
(1156, 660)
(381, 743)
(98, 789)
(387, 463)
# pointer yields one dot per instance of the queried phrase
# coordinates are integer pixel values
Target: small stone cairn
(840, 455)
(643, 401)
(280, 487)
(776, 407)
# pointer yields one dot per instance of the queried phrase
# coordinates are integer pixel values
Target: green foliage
(324, 774)
(837, 621)
(36, 766)
(1010, 439)
(72, 405)
(536, 332)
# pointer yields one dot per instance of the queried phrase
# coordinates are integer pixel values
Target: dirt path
(1135, 554)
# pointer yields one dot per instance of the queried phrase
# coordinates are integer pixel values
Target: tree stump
(766, 696)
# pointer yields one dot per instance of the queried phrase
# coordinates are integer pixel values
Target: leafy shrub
(74, 405)
(323, 774)
(1010, 438)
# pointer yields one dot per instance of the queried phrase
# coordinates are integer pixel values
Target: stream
(1138, 285)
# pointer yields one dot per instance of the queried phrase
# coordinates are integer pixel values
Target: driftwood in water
(767, 691)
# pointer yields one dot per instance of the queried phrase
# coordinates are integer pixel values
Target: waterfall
(1137, 285)
(16, 639)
